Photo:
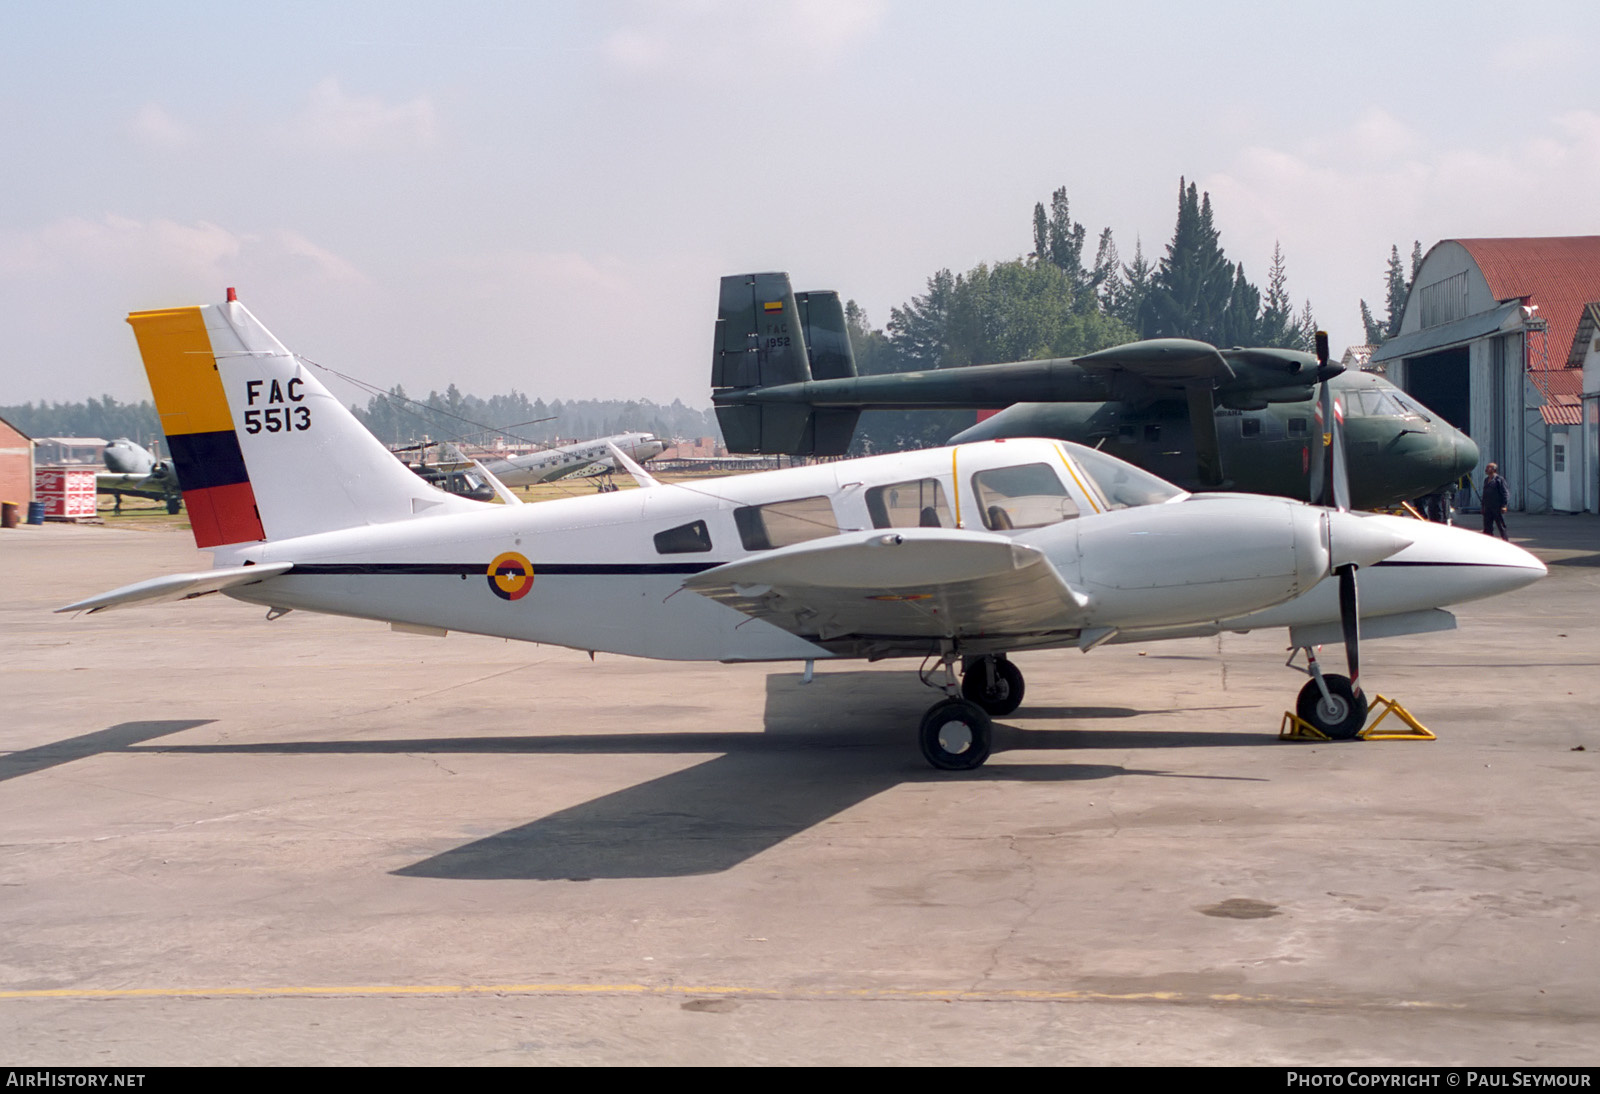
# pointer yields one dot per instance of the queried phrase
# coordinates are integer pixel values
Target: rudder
(262, 450)
(767, 335)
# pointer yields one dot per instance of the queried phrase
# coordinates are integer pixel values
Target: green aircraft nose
(1464, 455)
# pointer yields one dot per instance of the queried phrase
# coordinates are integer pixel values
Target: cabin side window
(763, 527)
(1026, 496)
(684, 539)
(916, 504)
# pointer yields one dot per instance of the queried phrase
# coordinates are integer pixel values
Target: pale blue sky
(543, 196)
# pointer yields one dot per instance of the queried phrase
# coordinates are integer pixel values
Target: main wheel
(1341, 715)
(999, 700)
(955, 735)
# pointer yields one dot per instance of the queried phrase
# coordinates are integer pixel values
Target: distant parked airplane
(131, 469)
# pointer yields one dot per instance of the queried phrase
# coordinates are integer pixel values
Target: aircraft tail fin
(262, 449)
(768, 335)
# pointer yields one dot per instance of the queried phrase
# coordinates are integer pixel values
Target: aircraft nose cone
(1361, 540)
(1464, 455)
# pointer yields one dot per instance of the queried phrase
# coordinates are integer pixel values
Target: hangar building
(1486, 340)
(1585, 355)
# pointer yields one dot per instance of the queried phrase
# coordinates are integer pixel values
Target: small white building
(1486, 340)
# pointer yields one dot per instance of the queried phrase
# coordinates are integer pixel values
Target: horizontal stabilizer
(787, 429)
(910, 582)
(178, 587)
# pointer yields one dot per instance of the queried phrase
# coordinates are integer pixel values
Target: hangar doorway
(1443, 381)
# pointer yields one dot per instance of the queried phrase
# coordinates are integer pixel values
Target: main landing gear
(956, 732)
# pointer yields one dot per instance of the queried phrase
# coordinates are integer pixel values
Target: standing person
(1495, 499)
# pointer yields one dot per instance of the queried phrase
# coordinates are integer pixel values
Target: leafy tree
(1277, 326)
(1106, 278)
(1195, 280)
(1058, 239)
(1241, 319)
(919, 329)
(1308, 330)
(1374, 328)
(1138, 280)
(95, 417)
(1397, 287)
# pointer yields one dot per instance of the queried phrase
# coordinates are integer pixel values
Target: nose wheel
(1339, 714)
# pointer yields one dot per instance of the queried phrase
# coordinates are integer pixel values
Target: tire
(955, 735)
(1341, 720)
(1004, 697)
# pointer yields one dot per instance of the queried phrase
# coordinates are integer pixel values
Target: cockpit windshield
(1375, 404)
(1121, 484)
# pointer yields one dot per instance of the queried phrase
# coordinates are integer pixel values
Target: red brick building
(16, 464)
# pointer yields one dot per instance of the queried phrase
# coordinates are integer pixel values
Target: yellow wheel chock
(1294, 729)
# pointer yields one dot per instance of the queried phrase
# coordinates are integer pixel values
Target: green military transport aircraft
(784, 381)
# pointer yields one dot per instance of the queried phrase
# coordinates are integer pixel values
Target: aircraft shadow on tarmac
(826, 747)
(117, 738)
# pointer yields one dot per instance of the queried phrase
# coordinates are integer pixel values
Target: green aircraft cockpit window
(1412, 409)
(1298, 427)
(763, 527)
(916, 504)
(1376, 404)
(1026, 496)
(1122, 484)
(684, 539)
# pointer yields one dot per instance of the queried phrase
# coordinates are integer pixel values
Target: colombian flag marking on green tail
(194, 412)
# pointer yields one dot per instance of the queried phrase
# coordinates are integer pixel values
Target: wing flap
(912, 583)
(159, 590)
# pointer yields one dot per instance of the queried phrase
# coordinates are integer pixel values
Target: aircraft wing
(151, 484)
(908, 582)
(1163, 361)
(178, 587)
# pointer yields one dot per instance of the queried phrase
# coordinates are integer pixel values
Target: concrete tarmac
(314, 841)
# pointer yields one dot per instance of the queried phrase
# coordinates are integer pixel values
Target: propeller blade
(1323, 492)
(1318, 456)
(1330, 473)
(1351, 621)
(1341, 469)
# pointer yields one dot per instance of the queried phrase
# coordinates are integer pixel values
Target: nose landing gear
(1330, 703)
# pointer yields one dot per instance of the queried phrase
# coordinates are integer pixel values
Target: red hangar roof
(1560, 274)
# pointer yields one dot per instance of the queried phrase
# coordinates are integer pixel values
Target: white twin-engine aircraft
(958, 555)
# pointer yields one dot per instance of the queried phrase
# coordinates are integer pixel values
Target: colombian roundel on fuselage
(510, 576)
